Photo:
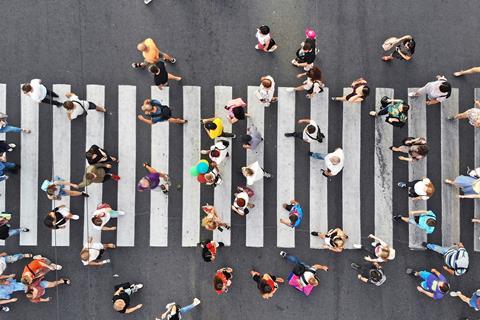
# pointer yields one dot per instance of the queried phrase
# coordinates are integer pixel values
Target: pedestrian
(360, 90)
(266, 91)
(218, 152)
(6, 147)
(151, 54)
(175, 312)
(455, 257)
(152, 180)
(213, 177)
(404, 48)
(370, 273)
(334, 239)
(383, 251)
(76, 107)
(6, 128)
(95, 155)
(209, 249)
(36, 290)
(39, 93)
(6, 166)
(156, 112)
(265, 40)
(12, 258)
(310, 133)
(333, 161)
(267, 284)
(423, 219)
(58, 217)
(416, 148)
(467, 71)
(55, 189)
(305, 56)
(7, 288)
(420, 189)
(469, 186)
(121, 297)
(161, 75)
(237, 110)
(396, 111)
(38, 268)
(313, 84)
(241, 203)
(92, 253)
(223, 280)
(214, 128)
(252, 139)
(255, 172)
(295, 214)
(102, 215)
(435, 91)
(434, 284)
(6, 230)
(473, 301)
(472, 114)
(97, 173)
(212, 220)
(307, 275)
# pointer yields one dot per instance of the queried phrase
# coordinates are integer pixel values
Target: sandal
(66, 281)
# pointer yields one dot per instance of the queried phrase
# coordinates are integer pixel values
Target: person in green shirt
(396, 111)
(97, 173)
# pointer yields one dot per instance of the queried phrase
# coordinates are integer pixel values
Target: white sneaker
(171, 304)
(57, 267)
(138, 286)
(106, 261)
(75, 217)
(412, 94)
(196, 301)
(455, 293)
(122, 213)
(290, 89)
(147, 1)
(357, 246)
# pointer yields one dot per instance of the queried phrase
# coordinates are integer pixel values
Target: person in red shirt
(222, 280)
(267, 284)
(209, 249)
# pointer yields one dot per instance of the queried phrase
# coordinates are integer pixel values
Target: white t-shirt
(39, 91)
(308, 137)
(419, 188)
(257, 173)
(223, 152)
(262, 38)
(93, 251)
(105, 218)
(242, 195)
(266, 94)
(433, 90)
(77, 110)
(3, 265)
(335, 168)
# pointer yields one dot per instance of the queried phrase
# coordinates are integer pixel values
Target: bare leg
(340, 99)
(475, 220)
(174, 77)
(144, 120)
(73, 193)
(299, 88)
(101, 109)
(463, 115)
(405, 219)
(177, 120)
(109, 246)
(149, 168)
(468, 71)
(387, 58)
(53, 284)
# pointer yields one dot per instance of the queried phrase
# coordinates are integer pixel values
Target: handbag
(390, 43)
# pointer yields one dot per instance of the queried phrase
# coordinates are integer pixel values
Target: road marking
(159, 150)
(318, 183)
(285, 164)
(476, 226)
(351, 171)
(383, 171)
(3, 108)
(61, 136)
(223, 193)
(127, 146)
(254, 220)
(191, 156)
(450, 169)
(417, 127)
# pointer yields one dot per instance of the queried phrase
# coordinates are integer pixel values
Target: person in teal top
(395, 109)
(425, 220)
(295, 214)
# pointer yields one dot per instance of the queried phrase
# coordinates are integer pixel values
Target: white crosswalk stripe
(3, 108)
(476, 230)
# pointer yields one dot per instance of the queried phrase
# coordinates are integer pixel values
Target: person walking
(423, 219)
(102, 215)
(38, 268)
(254, 173)
(175, 312)
(58, 217)
(334, 239)
(313, 84)
(214, 128)
(151, 54)
(396, 111)
(370, 273)
(360, 90)
(434, 284)
(383, 251)
(404, 48)
(121, 297)
(473, 301)
(95, 155)
(152, 180)
(416, 148)
(76, 107)
(265, 40)
(455, 257)
(435, 91)
(241, 203)
(97, 173)
(10, 258)
(252, 139)
(420, 189)
(266, 284)
(92, 253)
(310, 133)
(305, 56)
(307, 275)
(36, 290)
(6, 166)
(295, 214)
(217, 152)
(237, 110)
(266, 91)
(7, 288)
(156, 112)
(7, 128)
(469, 186)
(161, 75)
(334, 161)
(212, 220)
(209, 249)
(6, 229)
(223, 280)
(7, 147)
(213, 177)
(56, 189)
(467, 71)
(472, 114)
(39, 93)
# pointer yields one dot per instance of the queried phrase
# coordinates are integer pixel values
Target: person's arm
(3, 254)
(469, 196)
(432, 102)
(105, 228)
(69, 94)
(237, 211)
(103, 165)
(306, 121)
(144, 120)
(404, 56)
(418, 198)
(207, 119)
(267, 43)
(477, 104)
(363, 279)
(429, 294)
(320, 266)
(405, 158)
(417, 212)
(450, 271)
(391, 120)
(357, 99)
(169, 309)
(95, 263)
(7, 276)
(246, 146)
(435, 271)
(133, 309)
(7, 301)
(232, 120)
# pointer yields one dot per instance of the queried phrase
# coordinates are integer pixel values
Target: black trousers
(49, 99)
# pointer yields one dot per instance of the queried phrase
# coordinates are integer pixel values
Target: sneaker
(234, 136)
(310, 153)
(84, 194)
(12, 145)
(25, 229)
(314, 233)
(5, 309)
(115, 177)
(357, 246)
(138, 286)
(106, 261)
(455, 293)
(409, 271)
(289, 134)
(334, 98)
(412, 94)
(424, 244)
(267, 175)
(397, 218)
(355, 266)
(75, 217)
(402, 184)
(57, 267)
(122, 213)
(173, 60)
(290, 89)
(451, 118)
(283, 254)
(136, 65)
(196, 301)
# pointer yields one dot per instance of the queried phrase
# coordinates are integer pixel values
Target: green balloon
(193, 171)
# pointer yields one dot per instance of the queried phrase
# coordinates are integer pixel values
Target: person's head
(68, 105)
(90, 176)
(51, 189)
(422, 149)
(366, 91)
(27, 278)
(240, 202)
(266, 83)
(118, 305)
(154, 69)
(96, 220)
(307, 46)
(313, 281)
(338, 243)
(311, 129)
(444, 287)
(293, 218)
(209, 177)
(147, 105)
(207, 255)
(246, 139)
(26, 88)
(141, 47)
(84, 255)
(335, 160)
(218, 283)
(210, 125)
(431, 222)
(375, 275)
(315, 74)
(49, 220)
(264, 30)
(445, 87)
(30, 293)
(143, 184)
(430, 189)
(209, 223)
(384, 253)
(239, 113)
(265, 287)
(410, 44)
(215, 153)
(310, 33)
(247, 172)
(405, 107)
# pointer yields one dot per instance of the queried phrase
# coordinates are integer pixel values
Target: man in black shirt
(305, 55)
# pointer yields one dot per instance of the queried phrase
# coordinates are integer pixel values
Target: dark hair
(293, 218)
(265, 287)
(97, 221)
(210, 125)
(405, 107)
(375, 275)
(444, 287)
(239, 113)
(49, 221)
(240, 202)
(411, 45)
(26, 87)
(153, 69)
(311, 128)
(423, 149)
(431, 222)
(51, 189)
(215, 153)
(366, 91)
(307, 46)
(218, 283)
(446, 87)
(166, 112)
(206, 254)
(264, 30)
(315, 73)
(68, 105)
(246, 138)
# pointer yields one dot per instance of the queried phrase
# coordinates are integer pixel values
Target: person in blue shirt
(156, 112)
(295, 214)
(423, 219)
(473, 301)
(434, 284)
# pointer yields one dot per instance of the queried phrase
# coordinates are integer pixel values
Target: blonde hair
(430, 189)
(84, 255)
(384, 252)
(209, 223)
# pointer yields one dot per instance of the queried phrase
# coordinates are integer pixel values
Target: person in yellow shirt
(214, 128)
(151, 54)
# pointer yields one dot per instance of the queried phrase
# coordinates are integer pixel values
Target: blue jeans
(12, 258)
(8, 128)
(14, 232)
(437, 248)
(186, 308)
(294, 260)
(318, 155)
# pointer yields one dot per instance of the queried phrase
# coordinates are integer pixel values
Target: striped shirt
(457, 259)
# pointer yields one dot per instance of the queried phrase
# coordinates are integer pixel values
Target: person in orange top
(151, 54)
(37, 268)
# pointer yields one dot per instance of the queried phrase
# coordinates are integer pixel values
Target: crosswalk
(193, 135)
